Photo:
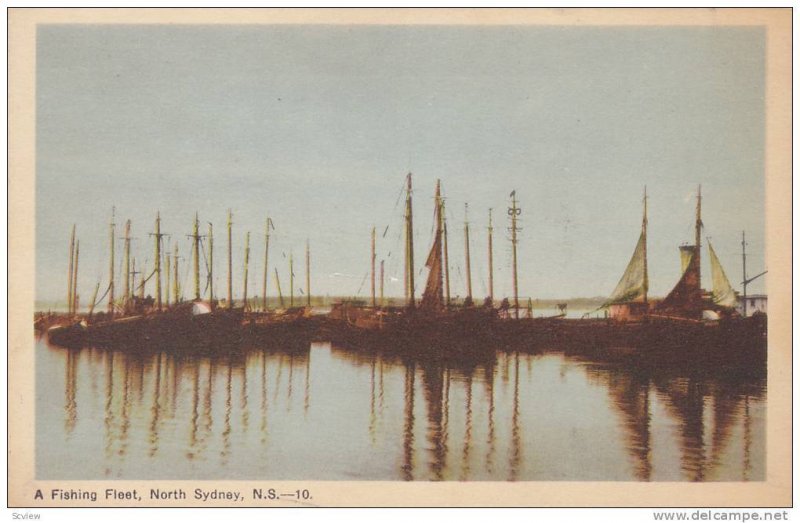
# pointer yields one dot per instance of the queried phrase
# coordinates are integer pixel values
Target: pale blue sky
(318, 125)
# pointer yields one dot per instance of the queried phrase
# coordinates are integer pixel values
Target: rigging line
(122, 274)
(433, 220)
(101, 298)
(186, 271)
(400, 193)
(364, 279)
(208, 269)
(205, 256)
(148, 278)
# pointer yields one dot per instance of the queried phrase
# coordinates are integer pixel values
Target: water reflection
(516, 435)
(408, 427)
(629, 392)
(249, 414)
(705, 411)
(433, 392)
(70, 407)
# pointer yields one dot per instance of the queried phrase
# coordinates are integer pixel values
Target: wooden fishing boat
(70, 335)
(187, 325)
(688, 323)
(291, 329)
(430, 328)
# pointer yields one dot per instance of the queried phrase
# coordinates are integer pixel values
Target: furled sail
(722, 294)
(433, 297)
(633, 284)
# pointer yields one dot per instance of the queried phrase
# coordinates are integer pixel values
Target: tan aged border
(775, 491)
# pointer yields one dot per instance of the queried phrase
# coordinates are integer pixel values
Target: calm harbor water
(327, 413)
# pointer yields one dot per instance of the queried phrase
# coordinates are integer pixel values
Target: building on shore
(756, 303)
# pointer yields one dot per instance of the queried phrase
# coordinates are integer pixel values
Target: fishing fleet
(689, 322)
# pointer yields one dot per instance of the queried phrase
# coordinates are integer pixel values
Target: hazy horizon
(317, 126)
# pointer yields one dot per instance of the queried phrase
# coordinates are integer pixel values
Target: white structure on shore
(755, 303)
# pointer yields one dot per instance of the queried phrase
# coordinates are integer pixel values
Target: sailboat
(687, 318)
(69, 330)
(629, 299)
(145, 323)
(430, 327)
(687, 299)
(290, 328)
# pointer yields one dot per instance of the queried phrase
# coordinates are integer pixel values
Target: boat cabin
(629, 311)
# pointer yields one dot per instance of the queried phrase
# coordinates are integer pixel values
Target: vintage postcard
(457, 257)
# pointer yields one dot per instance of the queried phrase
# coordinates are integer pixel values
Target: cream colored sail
(687, 251)
(633, 284)
(722, 294)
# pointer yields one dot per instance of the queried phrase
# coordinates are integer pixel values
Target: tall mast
(175, 284)
(409, 245)
(246, 266)
(167, 273)
(230, 261)
(405, 274)
(94, 298)
(372, 258)
(697, 226)
(438, 234)
(308, 274)
(75, 278)
(211, 263)
(196, 247)
(698, 221)
(127, 287)
(143, 272)
(111, 265)
(382, 303)
(266, 264)
(278, 285)
(491, 260)
(133, 276)
(466, 254)
(291, 280)
(514, 212)
(744, 278)
(646, 282)
(69, 272)
(158, 236)
(446, 258)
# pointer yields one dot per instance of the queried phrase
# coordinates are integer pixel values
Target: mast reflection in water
(327, 413)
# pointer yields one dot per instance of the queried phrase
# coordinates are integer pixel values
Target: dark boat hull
(736, 339)
(169, 331)
(465, 334)
(73, 335)
(293, 333)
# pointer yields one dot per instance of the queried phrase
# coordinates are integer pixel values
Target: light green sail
(722, 293)
(687, 251)
(633, 284)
